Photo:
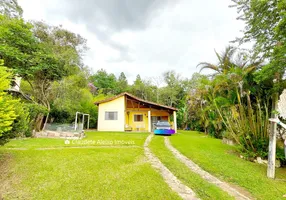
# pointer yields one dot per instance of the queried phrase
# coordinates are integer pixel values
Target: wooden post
(88, 122)
(75, 122)
(82, 121)
(272, 139)
(175, 121)
(149, 121)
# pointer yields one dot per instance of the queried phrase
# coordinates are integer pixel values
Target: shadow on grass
(163, 134)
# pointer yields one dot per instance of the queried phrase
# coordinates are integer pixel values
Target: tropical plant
(230, 59)
(233, 105)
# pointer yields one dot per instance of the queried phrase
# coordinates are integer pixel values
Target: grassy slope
(82, 173)
(99, 138)
(202, 188)
(220, 160)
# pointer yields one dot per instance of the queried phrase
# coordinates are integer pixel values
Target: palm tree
(229, 59)
(226, 85)
(244, 119)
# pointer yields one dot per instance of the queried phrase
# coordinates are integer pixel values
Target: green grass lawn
(220, 160)
(123, 173)
(94, 173)
(202, 188)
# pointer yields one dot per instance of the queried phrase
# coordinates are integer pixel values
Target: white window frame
(108, 112)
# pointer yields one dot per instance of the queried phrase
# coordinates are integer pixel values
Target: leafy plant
(21, 126)
(8, 105)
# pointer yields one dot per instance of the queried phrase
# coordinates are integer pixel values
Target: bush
(280, 155)
(34, 111)
(25, 121)
(259, 147)
(8, 105)
(21, 125)
(60, 116)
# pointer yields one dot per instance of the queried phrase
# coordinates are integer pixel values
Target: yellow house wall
(117, 105)
(142, 126)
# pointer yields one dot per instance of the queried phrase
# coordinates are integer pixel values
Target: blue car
(163, 128)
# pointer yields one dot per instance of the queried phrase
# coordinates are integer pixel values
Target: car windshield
(163, 123)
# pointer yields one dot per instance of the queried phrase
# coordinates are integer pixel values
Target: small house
(126, 112)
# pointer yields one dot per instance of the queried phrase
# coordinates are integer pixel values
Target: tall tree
(229, 59)
(122, 83)
(10, 8)
(172, 93)
(69, 95)
(138, 87)
(18, 46)
(157, 82)
(104, 81)
(40, 54)
(266, 25)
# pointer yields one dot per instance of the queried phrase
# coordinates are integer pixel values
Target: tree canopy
(266, 27)
(10, 8)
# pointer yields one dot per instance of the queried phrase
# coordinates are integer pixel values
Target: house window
(111, 115)
(138, 118)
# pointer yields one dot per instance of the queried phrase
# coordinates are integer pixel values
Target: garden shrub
(7, 105)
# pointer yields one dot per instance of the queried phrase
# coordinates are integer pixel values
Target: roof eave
(136, 98)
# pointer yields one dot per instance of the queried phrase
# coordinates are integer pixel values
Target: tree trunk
(39, 121)
(46, 120)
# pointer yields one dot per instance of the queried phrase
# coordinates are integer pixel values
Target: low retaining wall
(62, 134)
(228, 141)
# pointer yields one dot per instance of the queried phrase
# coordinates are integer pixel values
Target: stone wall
(59, 134)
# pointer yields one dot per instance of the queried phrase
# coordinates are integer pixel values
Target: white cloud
(178, 36)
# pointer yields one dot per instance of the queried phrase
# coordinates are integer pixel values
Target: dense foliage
(265, 27)
(42, 56)
(233, 106)
(7, 104)
(10, 8)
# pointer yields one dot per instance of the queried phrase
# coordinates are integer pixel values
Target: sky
(146, 37)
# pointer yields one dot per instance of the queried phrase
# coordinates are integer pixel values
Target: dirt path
(173, 182)
(234, 191)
